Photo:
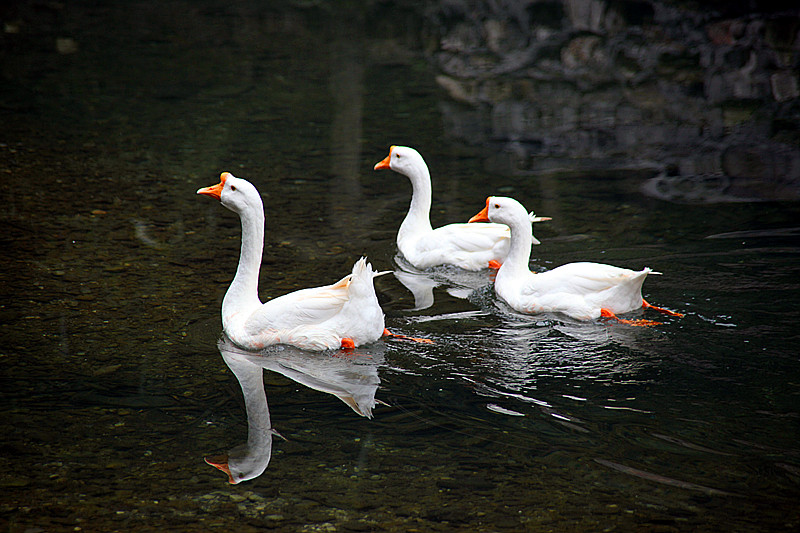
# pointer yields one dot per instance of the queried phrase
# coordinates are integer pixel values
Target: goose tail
(533, 218)
(361, 278)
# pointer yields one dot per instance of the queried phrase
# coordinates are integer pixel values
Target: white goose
(343, 315)
(468, 246)
(583, 291)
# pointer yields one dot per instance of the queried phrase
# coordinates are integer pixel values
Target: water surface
(114, 389)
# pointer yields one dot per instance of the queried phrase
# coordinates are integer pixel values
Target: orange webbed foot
(647, 305)
(388, 333)
(348, 343)
(607, 313)
(495, 265)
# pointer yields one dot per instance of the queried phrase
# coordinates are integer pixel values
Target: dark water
(113, 387)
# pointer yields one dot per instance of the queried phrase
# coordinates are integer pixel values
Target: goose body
(468, 246)
(344, 314)
(583, 291)
(580, 290)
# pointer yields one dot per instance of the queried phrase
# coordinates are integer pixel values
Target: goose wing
(466, 237)
(304, 307)
(580, 279)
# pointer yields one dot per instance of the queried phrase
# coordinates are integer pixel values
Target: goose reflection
(351, 376)
(542, 370)
(584, 348)
(421, 286)
(457, 282)
(519, 352)
(709, 189)
(528, 352)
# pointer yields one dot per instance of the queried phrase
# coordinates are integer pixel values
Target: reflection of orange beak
(483, 216)
(215, 191)
(386, 161)
(221, 462)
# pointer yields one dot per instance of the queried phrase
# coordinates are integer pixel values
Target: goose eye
(233, 187)
(497, 206)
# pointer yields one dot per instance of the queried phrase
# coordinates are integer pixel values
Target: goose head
(237, 194)
(404, 160)
(504, 210)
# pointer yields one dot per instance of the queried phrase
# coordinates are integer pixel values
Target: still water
(117, 382)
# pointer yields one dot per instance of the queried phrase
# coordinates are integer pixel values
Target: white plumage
(583, 291)
(468, 246)
(344, 314)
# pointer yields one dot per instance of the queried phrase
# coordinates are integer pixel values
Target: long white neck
(519, 254)
(242, 295)
(418, 219)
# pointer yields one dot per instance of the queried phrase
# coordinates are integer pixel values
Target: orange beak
(386, 161)
(215, 191)
(221, 462)
(483, 216)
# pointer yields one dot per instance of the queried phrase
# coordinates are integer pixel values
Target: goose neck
(243, 291)
(419, 211)
(519, 254)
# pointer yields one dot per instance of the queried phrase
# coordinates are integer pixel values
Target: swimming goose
(468, 246)
(583, 291)
(343, 315)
